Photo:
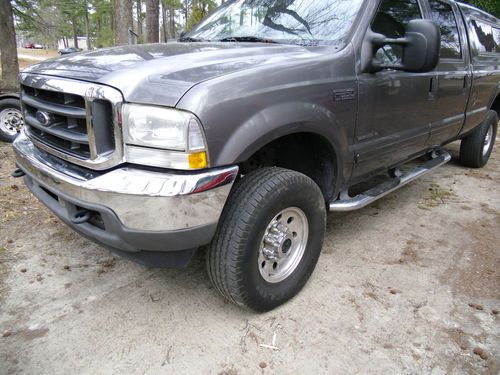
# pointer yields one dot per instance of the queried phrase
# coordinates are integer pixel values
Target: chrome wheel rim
(11, 121)
(487, 140)
(283, 245)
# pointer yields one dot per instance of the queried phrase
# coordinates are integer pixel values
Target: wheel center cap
(277, 242)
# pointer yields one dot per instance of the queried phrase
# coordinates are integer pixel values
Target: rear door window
(486, 37)
(443, 15)
(496, 37)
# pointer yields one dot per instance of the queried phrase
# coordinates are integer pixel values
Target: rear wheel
(11, 119)
(476, 148)
(269, 238)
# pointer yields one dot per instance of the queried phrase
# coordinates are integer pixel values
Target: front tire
(11, 119)
(476, 148)
(269, 238)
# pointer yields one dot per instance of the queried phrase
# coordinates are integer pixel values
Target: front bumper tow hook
(18, 173)
(81, 216)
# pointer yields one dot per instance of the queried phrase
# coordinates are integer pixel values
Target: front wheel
(269, 238)
(11, 119)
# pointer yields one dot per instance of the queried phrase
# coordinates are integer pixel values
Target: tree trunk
(8, 48)
(164, 21)
(75, 34)
(186, 14)
(87, 24)
(152, 21)
(122, 19)
(171, 15)
(98, 32)
(139, 18)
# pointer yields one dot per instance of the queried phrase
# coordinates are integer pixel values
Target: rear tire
(287, 210)
(476, 148)
(11, 119)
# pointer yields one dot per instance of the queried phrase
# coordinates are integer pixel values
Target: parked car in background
(38, 46)
(268, 115)
(29, 45)
(11, 118)
(67, 51)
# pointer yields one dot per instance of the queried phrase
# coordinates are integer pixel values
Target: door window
(486, 38)
(496, 38)
(391, 20)
(443, 15)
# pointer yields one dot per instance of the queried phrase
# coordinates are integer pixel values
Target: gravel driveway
(408, 285)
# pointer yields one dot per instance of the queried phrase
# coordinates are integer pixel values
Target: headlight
(163, 137)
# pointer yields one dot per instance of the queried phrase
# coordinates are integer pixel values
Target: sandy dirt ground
(409, 285)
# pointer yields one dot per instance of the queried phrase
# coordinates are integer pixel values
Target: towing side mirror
(421, 45)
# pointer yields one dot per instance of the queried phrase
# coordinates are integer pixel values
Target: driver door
(393, 110)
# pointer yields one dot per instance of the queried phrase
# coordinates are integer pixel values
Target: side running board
(366, 198)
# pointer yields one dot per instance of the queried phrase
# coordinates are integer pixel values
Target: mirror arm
(380, 42)
(377, 67)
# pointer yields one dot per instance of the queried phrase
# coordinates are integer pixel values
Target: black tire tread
(248, 194)
(471, 147)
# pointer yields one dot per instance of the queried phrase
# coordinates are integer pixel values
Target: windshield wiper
(191, 40)
(248, 39)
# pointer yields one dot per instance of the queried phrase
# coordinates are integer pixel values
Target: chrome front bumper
(142, 200)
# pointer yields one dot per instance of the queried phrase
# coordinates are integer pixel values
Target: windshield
(307, 22)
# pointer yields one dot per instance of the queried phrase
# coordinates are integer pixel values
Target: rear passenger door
(484, 38)
(450, 88)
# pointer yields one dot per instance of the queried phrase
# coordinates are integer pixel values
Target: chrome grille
(67, 130)
(73, 120)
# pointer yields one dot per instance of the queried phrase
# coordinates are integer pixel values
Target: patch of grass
(9, 204)
(38, 52)
(437, 197)
(24, 63)
(106, 265)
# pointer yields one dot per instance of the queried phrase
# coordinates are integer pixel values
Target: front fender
(280, 120)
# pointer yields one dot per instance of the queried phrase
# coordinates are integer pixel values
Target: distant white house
(82, 43)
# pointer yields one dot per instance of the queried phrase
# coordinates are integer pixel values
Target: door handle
(467, 79)
(433, 87)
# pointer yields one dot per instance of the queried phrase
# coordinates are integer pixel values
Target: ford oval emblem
(43, 118)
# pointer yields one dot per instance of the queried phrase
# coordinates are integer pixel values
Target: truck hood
(162, 73)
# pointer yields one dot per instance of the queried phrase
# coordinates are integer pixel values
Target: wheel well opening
(306, 153)
(496, 105)
(8, 96)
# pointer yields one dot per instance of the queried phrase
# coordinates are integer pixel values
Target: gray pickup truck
(242, 135)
